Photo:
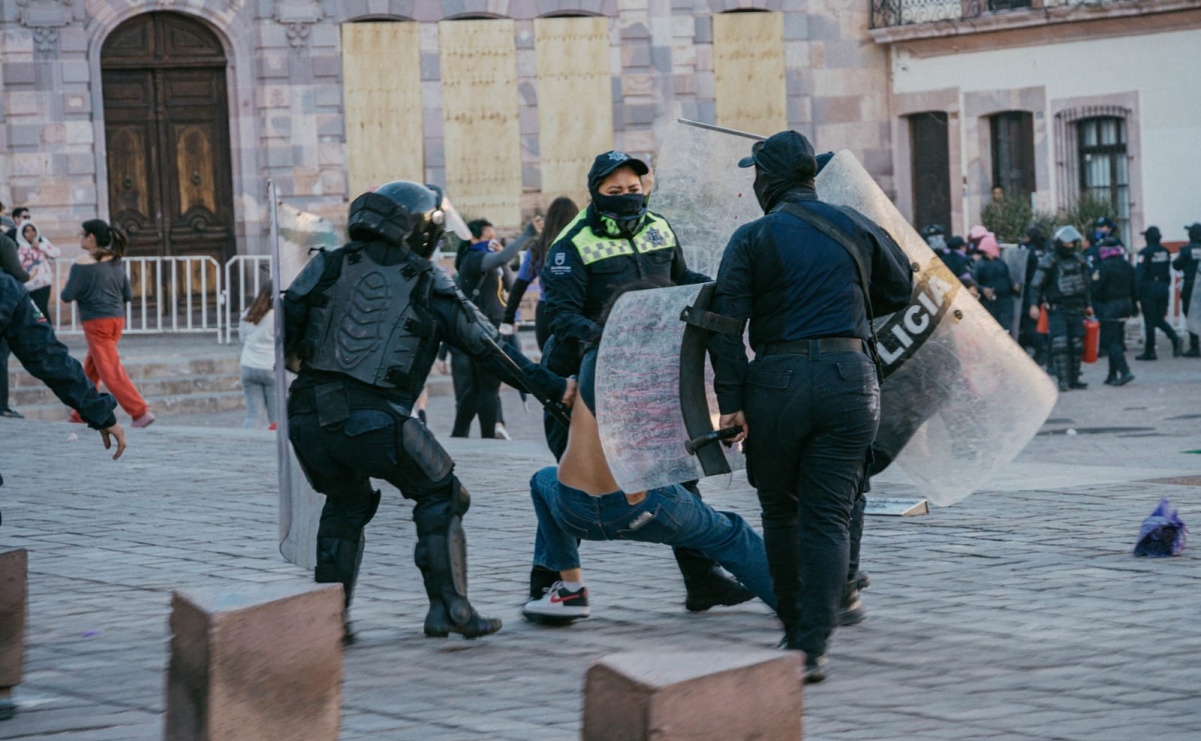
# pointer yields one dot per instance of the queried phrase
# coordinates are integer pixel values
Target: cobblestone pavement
(1017, 614)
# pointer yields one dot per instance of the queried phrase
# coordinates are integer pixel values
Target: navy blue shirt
(794, 283)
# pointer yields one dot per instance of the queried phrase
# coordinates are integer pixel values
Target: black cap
(607, 162)
(1104, 221)
(787, 154)
(1153, 234)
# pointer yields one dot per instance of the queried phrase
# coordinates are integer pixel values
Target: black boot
(1194, 346)
(850, 609)
(338, 561)
(1062, 370)
(1074, 371)
(443, 563)
(707, 585)
(1177, 346)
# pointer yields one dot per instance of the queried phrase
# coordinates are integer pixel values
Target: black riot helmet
(406, 214)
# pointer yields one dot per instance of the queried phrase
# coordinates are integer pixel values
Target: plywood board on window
(479, 102)
(748, 66)
(575, 101)
(381, 83)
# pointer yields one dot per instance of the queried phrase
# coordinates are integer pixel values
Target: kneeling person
(580, 500)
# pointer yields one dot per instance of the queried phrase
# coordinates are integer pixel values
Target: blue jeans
(670, 515)
(259, 387)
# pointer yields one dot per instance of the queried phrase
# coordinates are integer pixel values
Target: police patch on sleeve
(559, 265)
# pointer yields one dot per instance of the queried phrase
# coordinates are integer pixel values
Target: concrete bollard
(718, 696)
(14, 601)
(254, 662)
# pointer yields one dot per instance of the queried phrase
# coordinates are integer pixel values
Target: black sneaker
(816, 668)
(716, 589)
(850, 609)
(11, 414)
(558, 602)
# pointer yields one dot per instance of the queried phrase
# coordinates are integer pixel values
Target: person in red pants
(102, 289)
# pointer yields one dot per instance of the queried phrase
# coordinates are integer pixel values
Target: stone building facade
(186, 115)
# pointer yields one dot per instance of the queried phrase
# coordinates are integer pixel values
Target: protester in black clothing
(1154, 283)
(1061, 286)
(482, 276)
(562, 212)
(10, 263)
(809, 402)
(362, 326)
(1187, 262)
(614, 241)
(956, 258)
(1115, 299)
(997, 288)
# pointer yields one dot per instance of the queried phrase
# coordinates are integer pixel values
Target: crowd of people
(1071, 277)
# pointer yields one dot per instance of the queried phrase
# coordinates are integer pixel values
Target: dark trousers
(1153, 299)
(1002, 311)
(41, 299)
(812, 420)
(1067, 342)
(482, 399)
(4, 353)
(1114, 346)
(1186, 300)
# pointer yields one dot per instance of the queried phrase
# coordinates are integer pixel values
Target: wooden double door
(166, 120)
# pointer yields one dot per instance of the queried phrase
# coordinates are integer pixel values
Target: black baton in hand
(556, 408)
(723, 434)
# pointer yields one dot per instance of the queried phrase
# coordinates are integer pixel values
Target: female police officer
(809, 401)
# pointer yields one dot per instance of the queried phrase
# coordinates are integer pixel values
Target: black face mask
(626, 210)
(770, 188)
(1065, 250)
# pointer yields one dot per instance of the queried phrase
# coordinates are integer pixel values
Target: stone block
(14, 598)
(255, 662)
(722, 696)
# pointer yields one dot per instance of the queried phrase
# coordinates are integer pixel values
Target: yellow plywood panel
(748, 66)
(381, 73)
(479, 102)
(575, 101)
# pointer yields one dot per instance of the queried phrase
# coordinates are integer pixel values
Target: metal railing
(244, 276)
(170, 295)
(888, 13)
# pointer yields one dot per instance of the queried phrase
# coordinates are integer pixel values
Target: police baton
(556, 408)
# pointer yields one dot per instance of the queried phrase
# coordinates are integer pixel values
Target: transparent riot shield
(295, 236)
(960, 399)
(648, 403)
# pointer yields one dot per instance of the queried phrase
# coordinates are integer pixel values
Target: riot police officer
(614, 241)
(809, 276)
(1115, 298)
(365, 322)
(1154, 281)
(1187, 261)
(1061, 285)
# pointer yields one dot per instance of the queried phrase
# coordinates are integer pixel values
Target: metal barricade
(244, 276)
(178, 294)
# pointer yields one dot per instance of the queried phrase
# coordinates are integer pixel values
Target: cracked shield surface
(638, 408)
(960, 397)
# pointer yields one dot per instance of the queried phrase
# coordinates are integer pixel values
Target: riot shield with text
(295, 237)
(960, 398)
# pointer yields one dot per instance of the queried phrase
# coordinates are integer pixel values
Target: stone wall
(284, 80)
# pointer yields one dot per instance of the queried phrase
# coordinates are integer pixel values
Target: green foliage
(1007, 218)
(1010, 217)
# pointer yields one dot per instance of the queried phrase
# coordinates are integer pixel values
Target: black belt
(817, 347)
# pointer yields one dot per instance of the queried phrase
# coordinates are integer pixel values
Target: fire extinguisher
(1044, 321)
(1092, 339)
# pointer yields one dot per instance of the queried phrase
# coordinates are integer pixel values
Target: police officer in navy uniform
(1115, 299)
(1186, 262)
(365, 322)
(1154, 284)
(809, 402)
(1061, 284)
(612, 242)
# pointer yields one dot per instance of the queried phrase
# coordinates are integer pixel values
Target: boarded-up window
(479, 102)
(381, 74)
(575, 101)
(748, 64)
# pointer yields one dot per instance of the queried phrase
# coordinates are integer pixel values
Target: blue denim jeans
(671, 515)
(259, 387)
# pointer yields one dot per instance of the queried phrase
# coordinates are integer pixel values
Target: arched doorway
(166, 122)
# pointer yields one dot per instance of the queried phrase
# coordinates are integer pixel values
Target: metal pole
(720, 129)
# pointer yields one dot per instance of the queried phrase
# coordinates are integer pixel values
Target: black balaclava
(784, 162)
(1153, 235)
